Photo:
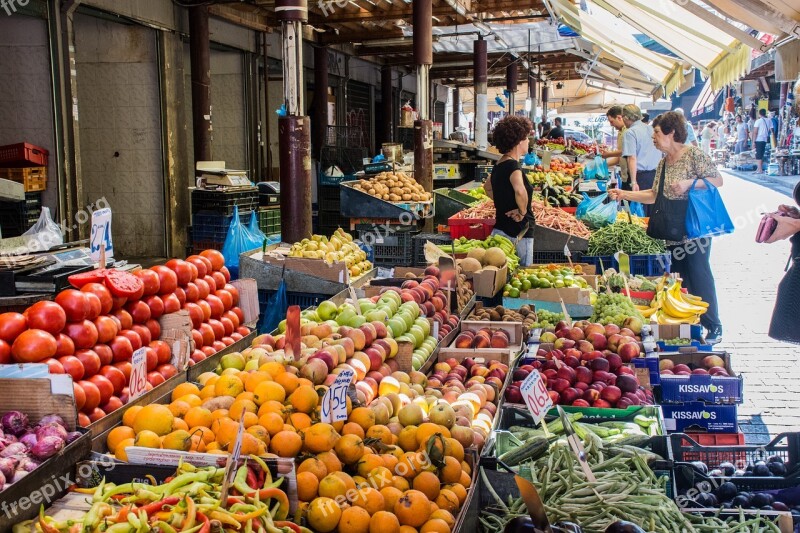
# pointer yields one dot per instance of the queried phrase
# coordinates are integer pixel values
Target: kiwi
(494, 315)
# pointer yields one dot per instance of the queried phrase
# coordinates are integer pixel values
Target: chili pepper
(98, 493)
(191, 513)
(206, 524)
(252, 480)
(83, 491)
(182, 480)
(122, 527)
(151, 508)
(46, 528)
(277, 494)
(291, 525)
(224, 518)
(243, 508)
(164, 527)
(122, 516)
(265, 471)
(248, 527)
(98, 511)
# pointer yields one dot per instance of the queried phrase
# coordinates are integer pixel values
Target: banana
(648, 312)
(678, 308)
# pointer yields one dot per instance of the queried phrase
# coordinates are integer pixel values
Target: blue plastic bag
(637, 209)
(238, 241)
(601, 168)
(255, 231)
(588, 203)
(706, 215)
(597, 214)
(274, 311)
(530, 160)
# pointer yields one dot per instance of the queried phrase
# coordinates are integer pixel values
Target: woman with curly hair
(510, 190)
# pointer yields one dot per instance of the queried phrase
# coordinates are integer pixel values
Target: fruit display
(570, 147)
(340, 247)
(478, 193)
(547, 319)
(672, 306)
(494, 247)
(554, 218)
(539, 176)
(479, 259)
(615, 308)
(629, 238)
(711, 365)
(558, 196)
(393, 187)
(677, 342)
(482, 338)
(91, 333)
(525, 315)
(547, 277)
(617, 282)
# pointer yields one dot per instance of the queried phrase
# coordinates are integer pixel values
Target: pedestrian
(760, 138)
(676, 173)
(705, 138)
(557, 132)
(691, 136)
(785, 325)
(614, 157)
(510, 190)
(637, 146)
(646, 118)
(545, 130)
(741, 135)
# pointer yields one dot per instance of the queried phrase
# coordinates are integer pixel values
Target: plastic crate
(471, 228)
(388, 248)
(269, 199)
(544, 257)
(214, 227)
(269, 220)
(23, 155)
(199, 246)
(325, 180)
(649, 265)
(328, 198)
(601, 262)
(367, 249)
(303, 299)
(419, 245)
(17, 217)
(482, 172)
(223, 201)
(33, 179)
(715, 448)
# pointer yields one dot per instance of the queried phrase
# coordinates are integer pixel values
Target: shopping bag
(637, 209)
(597, 213)
(601, 168)
(588, 203)
(706, 215)
(46, 233)
(274, 311)
(238, 241)
(255, 231)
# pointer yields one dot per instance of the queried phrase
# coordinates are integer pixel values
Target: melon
(470, 264)
(477, 253)
(495, 256)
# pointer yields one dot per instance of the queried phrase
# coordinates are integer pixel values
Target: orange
(304, 381)
(448, 501)
(367, 463)
(239, 407)
(272, 406)
(130, 415)
(349, 448)
(307, 486)
(179, 423)
(120, 452)
(315, 466)
(300, 420)
(400, 483)
(272, 421)
(117, 435)
(381, 433)
(390, 497)
(304, 399)
(427, 483)
(228, 385)
(331, 461)
(427, 429)
(154, 417)
(273, 368)
(455, 449)
(435, 525)
(465, 479)
(332, 486)
(179, 408)
(269, 390)
(355, 520)
(147, 439)
(351, 428)
(408, 529)
(466, 467)
(380, 477)
(323, 515)
(369, 499)
(459, 490)
(407, 440)
(252, 379)
(390, 461)
(192, 399)
(348, 481)
(259, 432)
(207, 392)
(448, 518)
(363, 416)
(177, 440)
(288, 381)
(319, 438)
(451, 471)
(198, 416)
(197, 444)
(384, 522)
(219, 413)
(225, 431)
(286, 444)
(204, 432)
(245, 396)
(413, 509)
(250, 445)
(409, 465)
(184, 389)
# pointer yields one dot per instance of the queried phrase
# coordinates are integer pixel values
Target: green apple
(233, 360)
(424, 324)
(251, 365)
(397, 326)
(418, 335)
(327, 310)
(357, 321)
(378, 315)
(345, 316)
(310, 314)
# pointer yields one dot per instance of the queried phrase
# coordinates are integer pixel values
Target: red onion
(2, 481)
(15, 422)
(6, 440)
(72, 437)
(19, 474)
(29, 439)
(15, 448)
(52, 419)
(47, 447)
(51, 430)
(26, 464)
(7, 467)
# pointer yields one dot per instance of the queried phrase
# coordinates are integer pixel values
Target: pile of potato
(393, 187)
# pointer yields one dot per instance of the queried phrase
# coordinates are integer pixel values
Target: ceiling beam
(345, 36)
(246, 19)
(341, 17)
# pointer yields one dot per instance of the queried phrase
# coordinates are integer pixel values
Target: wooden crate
(32, 178)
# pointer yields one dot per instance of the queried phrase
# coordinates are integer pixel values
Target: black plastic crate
(419, 245)
(223, 201)
(393, 247)
(303, 299)
(328, 198)
(544, 257)
(16, 217)
(199, 246)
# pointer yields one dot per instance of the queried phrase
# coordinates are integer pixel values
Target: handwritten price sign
(101, 234)
(138, 373)
(536, 397)
(334, 404)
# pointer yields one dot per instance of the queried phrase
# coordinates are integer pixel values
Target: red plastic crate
(23, 155)
(570, 210)
(714, 458)
(471, 228)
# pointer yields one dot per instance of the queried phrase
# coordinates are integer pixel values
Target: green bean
(629, 238)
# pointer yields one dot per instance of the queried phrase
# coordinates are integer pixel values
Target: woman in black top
(510, 190)
(785, 325)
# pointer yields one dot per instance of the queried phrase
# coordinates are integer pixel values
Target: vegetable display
(482, 210)
(629, 238)
(393, 187)
(462, 245)
(558, 219)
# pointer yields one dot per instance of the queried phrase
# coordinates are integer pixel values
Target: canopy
(705, 101)
(597, 102)
(768, 16)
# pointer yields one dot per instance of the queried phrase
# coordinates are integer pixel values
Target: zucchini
(532, 449)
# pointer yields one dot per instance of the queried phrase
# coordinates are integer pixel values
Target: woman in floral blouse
(681, 166)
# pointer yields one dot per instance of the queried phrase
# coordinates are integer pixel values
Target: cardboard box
(504, 355)
(487, 283)
(702, 388)
(570, 295)
(11, 190)
(682, 417)
(446, 171)
(514, 329)
(676, 331)
(337, 272)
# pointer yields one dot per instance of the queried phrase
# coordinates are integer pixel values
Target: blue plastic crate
(645, 265)
(707, 418)
(601, 262)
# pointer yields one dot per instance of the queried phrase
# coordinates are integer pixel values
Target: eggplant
(706, 500)
(761, 469)
(520, 524)
(741, 500)
(777, 468)
(566, 527)
(727, 491)
(728, 469)
(700, 466)
(761, 500)
(621, 526)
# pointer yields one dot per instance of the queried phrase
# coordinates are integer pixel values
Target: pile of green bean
(629, 238)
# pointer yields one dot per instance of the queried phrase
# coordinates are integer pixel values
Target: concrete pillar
(319, 119)
(481, 105)
(512, 78)
(200, 51)
(545, 95)
(456, 108)
(387, 105)
(533, 91)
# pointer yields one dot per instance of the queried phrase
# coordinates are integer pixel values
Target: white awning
(598, 102)
(768, 16)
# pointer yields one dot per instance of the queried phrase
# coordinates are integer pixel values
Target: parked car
(576, 135)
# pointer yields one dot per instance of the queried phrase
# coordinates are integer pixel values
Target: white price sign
(101, 234)
(536, 397)
(138, 373)
(334, 404)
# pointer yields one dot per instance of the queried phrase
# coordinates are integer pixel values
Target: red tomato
(11, 325)
(150, 280)
(95, 305)
(234, 293)
(143, 332)
(100, 290)
(195, 313)
(107, 328)
(227, 325)
(206, 308)
(216, 258)
(82, 279)
(117, 321)
(125, 318)
(54, 366)
(105, 387)
(182, 270)
(244, 331)
(236, 336)
(233, 317)
(92, 396)
(122, 349)
(112, 405)
(96, 414)
(226, 297)
(140, 311)
(156, 305)
(5, 353)
(75, 304)
(167, 370)
(219, 329)
(64, 345)
(239, 313)
(212, 283)
(124, 284)
(226, 273)
(48, 316)
(84, 334)
(218, 345)
(154, 327)
(171, 303)
(197, 356)
(217, 307)
(208, 334)
(72, 366)
(152, 359)
(227, 341)
(119, 301)
(105, 353)
(197, 337)
(180, 294)
(162, 351)
(125, 367)
(219, 279)
(208, 350)
(90, 361)
(194, 270)
(33, 345)
(133, 337)
(192, 292)
(80, 397)
(167, 279)
(203, 289)
(155, 379)
(83, 420)
(115, 376)
(199, 263)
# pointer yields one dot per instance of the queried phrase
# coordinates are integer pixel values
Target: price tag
(436, 329)
(101, 234)
(248, 299)
(624, 263)
(233, 461)
(355, 299)
(138, 373)
(536, 397)
(334, 403)
(384, 273)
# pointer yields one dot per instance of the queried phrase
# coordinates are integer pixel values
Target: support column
(200, 51)
(533, 96)
(319, 119)
(423, 127)
(481, 106)
(512, 78)
(456, 108)
(294, 136)
(387, 105)
(545, 95)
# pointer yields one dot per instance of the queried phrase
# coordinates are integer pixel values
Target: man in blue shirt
(642, 155)
(691, 135)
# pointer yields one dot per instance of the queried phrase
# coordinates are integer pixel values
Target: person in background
(741, 135)
(510, 190)
(642, 155)
(682, 165)
(691, 136)
(646, 118)
(557, 132)
(723, 132)
(773, 115)
(705, 138)
(784, 324)
(614, 157)
(760, 137)
(545, 130)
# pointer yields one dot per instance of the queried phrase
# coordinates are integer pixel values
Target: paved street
(747, 275)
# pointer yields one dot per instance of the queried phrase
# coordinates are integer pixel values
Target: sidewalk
(782, 184)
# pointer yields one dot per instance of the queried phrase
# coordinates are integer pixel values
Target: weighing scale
(269, 187)
(215, 173)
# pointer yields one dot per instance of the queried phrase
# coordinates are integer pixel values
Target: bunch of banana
(671, 306)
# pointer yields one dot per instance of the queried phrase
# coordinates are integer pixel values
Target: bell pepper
(291, 525)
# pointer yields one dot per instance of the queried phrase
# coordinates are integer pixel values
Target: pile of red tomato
(91, 333)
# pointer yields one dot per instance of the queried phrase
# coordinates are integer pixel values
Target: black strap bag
(668, 217)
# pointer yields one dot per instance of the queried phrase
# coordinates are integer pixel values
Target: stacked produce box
(212, 214)
(25, 164)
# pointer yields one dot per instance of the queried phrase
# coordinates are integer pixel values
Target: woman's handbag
(668, 217)
(706, 215)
